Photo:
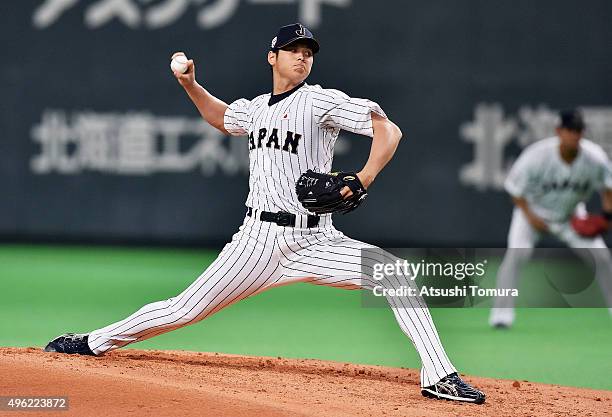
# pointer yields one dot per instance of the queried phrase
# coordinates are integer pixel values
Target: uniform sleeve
(236, 118)
(518, 178)
(606, 172)
(599, 157)
(607, 176)
(333, 109)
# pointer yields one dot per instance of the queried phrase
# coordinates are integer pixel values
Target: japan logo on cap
(273, 42)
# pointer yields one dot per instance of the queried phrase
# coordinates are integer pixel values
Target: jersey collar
(563, 161)
(278, 97)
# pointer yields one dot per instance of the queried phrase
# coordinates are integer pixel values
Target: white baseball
(179, 64)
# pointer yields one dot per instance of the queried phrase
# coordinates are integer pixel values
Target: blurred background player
(549, 184)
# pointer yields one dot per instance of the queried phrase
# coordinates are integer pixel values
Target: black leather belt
(282, 218)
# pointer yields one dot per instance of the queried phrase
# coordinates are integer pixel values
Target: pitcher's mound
(159, 383)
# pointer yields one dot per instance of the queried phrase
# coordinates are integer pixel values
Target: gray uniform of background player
(554, 191)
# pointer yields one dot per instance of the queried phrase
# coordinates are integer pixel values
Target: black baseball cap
(291, 33)
(572, 120)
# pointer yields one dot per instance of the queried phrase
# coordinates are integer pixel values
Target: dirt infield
(162, 383)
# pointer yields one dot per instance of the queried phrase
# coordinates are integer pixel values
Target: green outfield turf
(46, 291)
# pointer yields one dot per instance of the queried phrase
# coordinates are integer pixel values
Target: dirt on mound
(162, 383)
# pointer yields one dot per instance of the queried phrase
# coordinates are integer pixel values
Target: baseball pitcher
(287, 235)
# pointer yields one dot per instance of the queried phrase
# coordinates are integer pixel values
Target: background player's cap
(291, 33)
(572, 119)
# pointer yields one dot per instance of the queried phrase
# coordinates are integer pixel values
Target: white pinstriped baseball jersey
(552, 187)
(288, 134)
(293, 135)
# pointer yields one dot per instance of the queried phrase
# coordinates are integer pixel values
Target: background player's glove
(590, 226)
(320, 193)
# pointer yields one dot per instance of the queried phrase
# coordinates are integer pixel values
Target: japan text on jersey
(292, 134)
(552, 187)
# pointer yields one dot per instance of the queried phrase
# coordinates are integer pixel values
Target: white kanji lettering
(56, 140)
(212, 14)
(95, 139)
(136, 145)
(309, 11)
(599, 126)
(50, 11)
(211, 154)
(217, 14)
(490, 132)
(171, 130)
(165, 13)
(539, 123)
(103, 11)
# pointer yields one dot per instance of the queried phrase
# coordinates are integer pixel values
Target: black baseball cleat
(70, 343)
(453, 388)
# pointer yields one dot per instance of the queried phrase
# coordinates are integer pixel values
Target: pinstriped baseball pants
(263, 255)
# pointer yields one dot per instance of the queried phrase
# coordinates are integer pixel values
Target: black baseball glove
(320, 193)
